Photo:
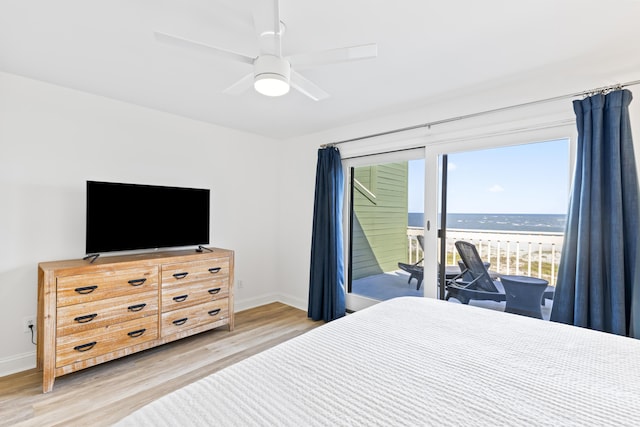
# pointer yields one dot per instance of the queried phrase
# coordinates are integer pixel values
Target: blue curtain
(598, 275)
(326, 283)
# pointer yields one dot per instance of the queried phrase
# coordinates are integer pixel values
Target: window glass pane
(387, 216)
(511, 204)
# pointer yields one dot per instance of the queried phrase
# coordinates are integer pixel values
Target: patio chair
(548, 293)
(480, 286)
(416, 271)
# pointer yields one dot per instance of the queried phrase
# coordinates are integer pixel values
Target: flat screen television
(124, 217)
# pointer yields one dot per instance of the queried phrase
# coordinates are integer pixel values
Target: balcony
(508, 252)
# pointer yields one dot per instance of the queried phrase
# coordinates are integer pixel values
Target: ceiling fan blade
(266, 21)
(190, 44)
(334, 56)
(240, 86)
(306, 87)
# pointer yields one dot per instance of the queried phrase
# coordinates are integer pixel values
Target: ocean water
(507, 222)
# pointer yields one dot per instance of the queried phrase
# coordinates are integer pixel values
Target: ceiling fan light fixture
(271, 84)
(271, 75)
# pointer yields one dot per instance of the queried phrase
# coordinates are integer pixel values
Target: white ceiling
(426, 49)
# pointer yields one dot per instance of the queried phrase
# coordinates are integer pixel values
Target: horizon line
(495, 213)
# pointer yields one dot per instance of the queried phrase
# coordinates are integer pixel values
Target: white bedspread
(416, 361)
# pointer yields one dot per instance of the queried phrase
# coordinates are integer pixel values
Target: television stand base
(93, 257)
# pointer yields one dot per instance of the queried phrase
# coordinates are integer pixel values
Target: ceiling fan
(273, 74)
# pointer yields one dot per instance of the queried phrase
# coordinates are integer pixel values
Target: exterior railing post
(539, 261)
(553, 264)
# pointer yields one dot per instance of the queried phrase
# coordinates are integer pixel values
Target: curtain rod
(604, 90)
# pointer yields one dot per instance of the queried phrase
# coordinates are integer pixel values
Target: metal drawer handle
(136, 334)
(214, 291)
(137, 282)
(214, 270)
(180, 298)
(86, 289)
(85, 347)
(87, 318)
(180, 321)
(180, 275)
(136, 307)
(214, 312)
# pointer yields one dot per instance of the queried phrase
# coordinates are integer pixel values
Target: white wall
(53, 139)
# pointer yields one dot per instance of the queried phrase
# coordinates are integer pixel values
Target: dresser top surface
(140, 258)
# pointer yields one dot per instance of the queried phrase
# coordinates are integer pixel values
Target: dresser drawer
(191, 317)
(195, 271)
(95, 342)
(105, 284)
(175, 297)
(96, 314)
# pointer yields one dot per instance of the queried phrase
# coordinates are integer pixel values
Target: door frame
(433, 180)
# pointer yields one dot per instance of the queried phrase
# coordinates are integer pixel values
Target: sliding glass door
(385, 223)
(510, 203)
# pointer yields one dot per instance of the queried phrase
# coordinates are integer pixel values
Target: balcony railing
(509, 252)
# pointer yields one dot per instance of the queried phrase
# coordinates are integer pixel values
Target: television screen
(129, 216)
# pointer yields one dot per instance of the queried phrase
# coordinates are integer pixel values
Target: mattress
(418, 361)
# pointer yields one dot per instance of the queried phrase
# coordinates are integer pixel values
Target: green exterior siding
(379, 238)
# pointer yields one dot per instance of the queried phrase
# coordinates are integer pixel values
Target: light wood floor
(104, 394)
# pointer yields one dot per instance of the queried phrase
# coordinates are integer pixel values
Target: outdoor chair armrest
(456, 279)
(467, 285)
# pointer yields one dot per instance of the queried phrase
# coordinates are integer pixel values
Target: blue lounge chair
(476, 282)
(416, 271)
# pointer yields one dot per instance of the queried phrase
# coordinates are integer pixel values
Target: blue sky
(531, 178)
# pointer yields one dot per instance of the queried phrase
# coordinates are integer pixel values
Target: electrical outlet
(31, 320)
(240, 284)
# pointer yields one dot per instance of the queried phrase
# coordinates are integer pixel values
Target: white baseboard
(298, 303)
(247, 303)
(17, 363)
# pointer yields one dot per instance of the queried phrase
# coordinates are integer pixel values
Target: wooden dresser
(92, 313)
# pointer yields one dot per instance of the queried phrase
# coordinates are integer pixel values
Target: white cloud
(451, 167)
(496, 188)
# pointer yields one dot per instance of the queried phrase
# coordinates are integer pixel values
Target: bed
(418, 361)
